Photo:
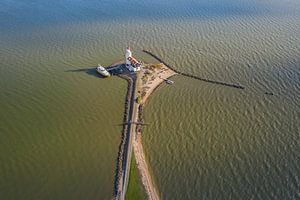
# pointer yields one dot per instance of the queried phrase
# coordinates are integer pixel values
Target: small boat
(101, 70)
(168, 81)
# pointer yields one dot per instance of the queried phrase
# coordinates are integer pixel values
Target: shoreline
(148, 88)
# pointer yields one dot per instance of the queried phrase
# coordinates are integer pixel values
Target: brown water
(58, 126)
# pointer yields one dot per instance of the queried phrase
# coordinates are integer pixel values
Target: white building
(131, 63)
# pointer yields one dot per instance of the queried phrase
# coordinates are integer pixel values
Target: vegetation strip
(135, 190)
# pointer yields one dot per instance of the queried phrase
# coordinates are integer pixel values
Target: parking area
(120, 69)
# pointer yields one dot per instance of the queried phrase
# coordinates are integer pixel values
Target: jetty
(140, 86)
(193, 76)
(125, 149)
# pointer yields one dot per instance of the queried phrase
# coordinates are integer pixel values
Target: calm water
(58, 121)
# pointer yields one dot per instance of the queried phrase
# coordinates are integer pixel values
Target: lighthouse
(127, 55)
(131, 63)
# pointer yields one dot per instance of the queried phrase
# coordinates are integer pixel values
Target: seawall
(121, 160)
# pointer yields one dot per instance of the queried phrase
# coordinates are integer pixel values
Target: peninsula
(142, 80)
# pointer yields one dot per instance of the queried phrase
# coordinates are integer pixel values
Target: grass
(135, 190)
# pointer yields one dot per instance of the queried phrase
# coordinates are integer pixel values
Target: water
(58, 128)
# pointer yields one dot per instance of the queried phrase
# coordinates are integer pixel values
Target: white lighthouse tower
(131, 63)
(127, 55)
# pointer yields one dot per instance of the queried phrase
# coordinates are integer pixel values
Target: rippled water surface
(58, 121)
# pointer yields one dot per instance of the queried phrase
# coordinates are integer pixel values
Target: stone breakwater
(140, 119)
(193, 76)
(124, 137)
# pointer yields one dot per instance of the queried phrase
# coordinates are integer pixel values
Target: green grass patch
(135, 190)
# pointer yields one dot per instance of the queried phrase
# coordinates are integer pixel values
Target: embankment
(124, 138)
